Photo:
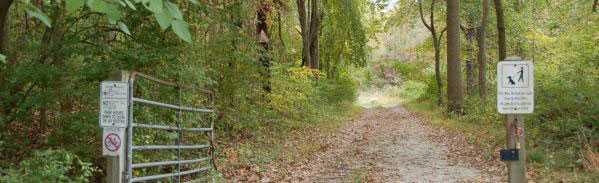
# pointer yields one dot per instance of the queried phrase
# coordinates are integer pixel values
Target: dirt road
(391, 144)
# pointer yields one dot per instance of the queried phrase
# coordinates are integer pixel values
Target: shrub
(50, 166)
(294, 91)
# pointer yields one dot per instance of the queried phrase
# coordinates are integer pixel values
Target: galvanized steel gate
(160, 126)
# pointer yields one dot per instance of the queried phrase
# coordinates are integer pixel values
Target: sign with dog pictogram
(515, 87)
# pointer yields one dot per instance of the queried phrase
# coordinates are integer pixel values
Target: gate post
(115, 165)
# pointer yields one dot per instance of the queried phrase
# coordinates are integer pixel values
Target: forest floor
(388, 143)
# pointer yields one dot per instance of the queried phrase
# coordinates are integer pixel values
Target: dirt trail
(391, 144)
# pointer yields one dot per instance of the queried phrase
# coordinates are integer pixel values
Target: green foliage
(50, 166)
(165, 12)
(300, 94)
(294, 92)
(409, 71)
(344, 35)
(560, 37)
(49, 78)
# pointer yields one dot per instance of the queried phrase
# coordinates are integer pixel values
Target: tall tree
(500, 29)
(470, 33)
(4, 7)
(310, 30)
(436, 36)
(264, 40)
(454, 74)
(482, 51)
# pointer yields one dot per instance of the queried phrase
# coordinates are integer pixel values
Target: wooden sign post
(115, 161)
(515, 96)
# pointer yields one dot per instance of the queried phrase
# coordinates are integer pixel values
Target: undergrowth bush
(302, 95)
(294, 90)
(49, 166)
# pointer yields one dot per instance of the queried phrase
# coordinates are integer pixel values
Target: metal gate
(167, 138)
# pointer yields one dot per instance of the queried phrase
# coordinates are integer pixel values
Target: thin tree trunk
(280, 32)
(470, 36)
(4, 8)
(314, 35)
(454, 74)
(500, 30)
(482, 51)
(263, 36)
(436, 47)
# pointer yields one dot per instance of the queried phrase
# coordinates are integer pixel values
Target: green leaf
(155, 6)
(37, 13)
(194, 2)
(74, 5)
(163, 19)
(181, 28)
(124, 28)
(113, 11)
(174, 10)
(2, 58)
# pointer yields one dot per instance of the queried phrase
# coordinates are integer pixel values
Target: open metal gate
(168, 139)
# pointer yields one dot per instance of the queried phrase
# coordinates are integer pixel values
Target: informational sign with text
(114, 103)
(515, 87)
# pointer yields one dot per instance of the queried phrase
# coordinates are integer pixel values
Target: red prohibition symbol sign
(112, 142)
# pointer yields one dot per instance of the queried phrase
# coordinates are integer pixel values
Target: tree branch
(422, 18)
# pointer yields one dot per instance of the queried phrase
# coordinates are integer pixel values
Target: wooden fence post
(115, 165)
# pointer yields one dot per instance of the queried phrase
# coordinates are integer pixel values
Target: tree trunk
(314, 35)
(263, 36)
(301, 10)
(4, 7)
(500, 30)
(310, 29)
(437, 48)
(482, 52)
(470, 36)
(280, 33)
(454, 73)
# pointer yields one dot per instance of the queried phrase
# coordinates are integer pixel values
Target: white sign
(113, 103)
(112, 141)
(515, 87)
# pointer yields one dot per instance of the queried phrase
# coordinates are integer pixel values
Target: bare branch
(422, 18)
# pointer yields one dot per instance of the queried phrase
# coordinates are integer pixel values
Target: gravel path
(388, 145)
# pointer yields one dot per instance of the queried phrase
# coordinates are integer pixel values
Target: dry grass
(590, 159)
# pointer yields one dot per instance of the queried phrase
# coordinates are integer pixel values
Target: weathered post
(515, 140)
(115, 165)
(515, 96)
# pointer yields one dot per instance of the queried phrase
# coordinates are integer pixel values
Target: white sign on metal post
(113, 103)
(515, 87)
(112, 141)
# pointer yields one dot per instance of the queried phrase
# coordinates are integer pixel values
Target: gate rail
(132, 148)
